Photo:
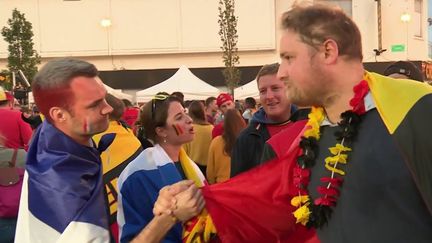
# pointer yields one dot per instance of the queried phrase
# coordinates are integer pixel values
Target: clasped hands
(182, 200)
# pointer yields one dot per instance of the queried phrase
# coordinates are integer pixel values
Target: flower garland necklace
(316, 213)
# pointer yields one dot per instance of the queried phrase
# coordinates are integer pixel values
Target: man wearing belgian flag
(361, 168)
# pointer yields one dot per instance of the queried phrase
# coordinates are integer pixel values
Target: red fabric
(16, 131)
(114, 229)
(255, 206)
(130, 115)
(282, 141)
(275, 129)
(217, 130)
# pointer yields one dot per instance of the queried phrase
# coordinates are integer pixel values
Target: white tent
(248, 90)
(184, 81)
(117, 93)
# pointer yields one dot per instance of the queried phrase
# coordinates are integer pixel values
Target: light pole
(106, 24)
(406, 18)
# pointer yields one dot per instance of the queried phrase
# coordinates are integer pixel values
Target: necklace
(317, 212)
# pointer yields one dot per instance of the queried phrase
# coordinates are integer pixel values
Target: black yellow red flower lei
(316, 213)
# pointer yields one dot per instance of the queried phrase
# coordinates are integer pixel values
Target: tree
(19, 35)
(228, 35)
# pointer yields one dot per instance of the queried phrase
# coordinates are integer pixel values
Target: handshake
(182, 201)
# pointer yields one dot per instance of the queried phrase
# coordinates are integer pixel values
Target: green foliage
(228, 35)
(5, 80)
(19, 35)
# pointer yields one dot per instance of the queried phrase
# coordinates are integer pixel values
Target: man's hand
(189, 203)
(166, 201)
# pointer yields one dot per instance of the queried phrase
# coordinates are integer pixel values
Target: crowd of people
(329, 153)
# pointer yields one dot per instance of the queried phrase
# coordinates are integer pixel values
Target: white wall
(155, 34)
(143, 30)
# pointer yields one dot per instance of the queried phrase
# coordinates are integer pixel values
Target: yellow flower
(312, 133)
(341, 158)
(338, 149)
(335, 170)
(302, 215)
(297, 201)
(316, 116)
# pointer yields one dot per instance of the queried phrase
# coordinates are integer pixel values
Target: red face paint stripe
(85, 126)
(179, 129)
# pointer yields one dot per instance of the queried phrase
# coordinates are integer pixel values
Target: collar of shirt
(369, 105)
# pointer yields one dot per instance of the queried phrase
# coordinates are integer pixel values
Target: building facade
(155, 34)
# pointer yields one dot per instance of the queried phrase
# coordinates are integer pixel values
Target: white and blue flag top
(62, 198)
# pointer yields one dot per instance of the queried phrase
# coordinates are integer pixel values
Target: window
(345, 5)
(417, 18)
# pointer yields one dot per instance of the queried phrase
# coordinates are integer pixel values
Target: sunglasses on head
(160, 97)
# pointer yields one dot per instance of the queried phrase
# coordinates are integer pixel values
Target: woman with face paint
(169, 127)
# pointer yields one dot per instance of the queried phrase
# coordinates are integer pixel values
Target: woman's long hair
(233, 125)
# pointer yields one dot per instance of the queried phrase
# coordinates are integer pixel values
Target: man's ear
(331, 51)
(58, 115)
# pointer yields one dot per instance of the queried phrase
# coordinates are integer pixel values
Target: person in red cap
(225, 102)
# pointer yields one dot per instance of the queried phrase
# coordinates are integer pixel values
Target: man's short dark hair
(51, 85)
(117, 105)
(250, 101)
(209, 100)
(317, 23)
(268, 69)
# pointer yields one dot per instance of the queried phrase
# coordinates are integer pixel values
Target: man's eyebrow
(95, 103)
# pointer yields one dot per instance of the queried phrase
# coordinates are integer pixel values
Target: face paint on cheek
(178, 129)
(86, 126)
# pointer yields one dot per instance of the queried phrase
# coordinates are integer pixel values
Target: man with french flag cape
(62, 198)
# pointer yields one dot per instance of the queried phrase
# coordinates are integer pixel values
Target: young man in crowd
(270, 119)
(225, 102)
(211, 109)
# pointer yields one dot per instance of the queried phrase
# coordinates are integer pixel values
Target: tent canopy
(117, 93)
(184, 81)
(248, 90)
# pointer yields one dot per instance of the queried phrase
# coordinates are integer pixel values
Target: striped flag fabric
(62, 197)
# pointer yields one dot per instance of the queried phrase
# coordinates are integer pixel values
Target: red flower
(299, 172)
(326, 201)
(357, 102)
(331, 191)
(335, 182)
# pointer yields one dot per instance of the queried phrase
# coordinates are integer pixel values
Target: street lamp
(406, 18)
(106, 23)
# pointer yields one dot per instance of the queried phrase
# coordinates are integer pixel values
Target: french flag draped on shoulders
(62, 197)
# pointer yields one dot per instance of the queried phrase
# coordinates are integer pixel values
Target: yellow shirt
(219, 163)
(198, 149)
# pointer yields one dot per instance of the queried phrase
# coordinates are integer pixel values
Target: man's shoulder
(10, 112)
(253, 129)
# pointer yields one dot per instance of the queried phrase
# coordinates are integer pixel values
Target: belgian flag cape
(405, 107)
(255, 206)
(124, 148)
